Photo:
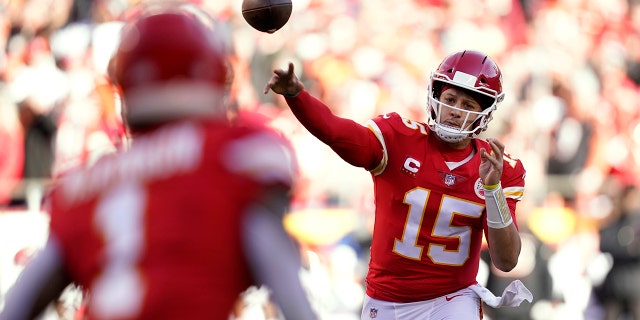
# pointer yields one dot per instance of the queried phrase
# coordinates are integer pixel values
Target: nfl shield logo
(373, 312)
(449, 179)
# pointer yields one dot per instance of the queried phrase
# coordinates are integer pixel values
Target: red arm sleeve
(353, 142)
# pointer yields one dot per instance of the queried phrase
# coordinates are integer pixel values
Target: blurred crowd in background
(571, 73)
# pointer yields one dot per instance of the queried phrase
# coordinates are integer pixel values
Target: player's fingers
(497, 147)
(281, 73)
(266, 88)
(499, 143)
(269, 84)
(492, 157)
(290, 70)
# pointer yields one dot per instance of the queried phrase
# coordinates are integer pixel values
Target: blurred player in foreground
(437, 189)
(190, 216)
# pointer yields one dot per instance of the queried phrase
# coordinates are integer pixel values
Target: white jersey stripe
(383, 163)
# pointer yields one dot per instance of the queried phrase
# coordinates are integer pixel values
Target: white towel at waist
(512, 296)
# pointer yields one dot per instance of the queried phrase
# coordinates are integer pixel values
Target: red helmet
(170, 63)
(476, 73)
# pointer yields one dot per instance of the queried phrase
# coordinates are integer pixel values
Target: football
(266, 15)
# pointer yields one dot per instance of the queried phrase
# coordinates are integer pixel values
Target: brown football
(266, 15)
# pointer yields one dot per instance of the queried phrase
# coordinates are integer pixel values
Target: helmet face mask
(476, 74)
(473, 122)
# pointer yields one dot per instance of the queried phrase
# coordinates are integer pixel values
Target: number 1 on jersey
(408, 246)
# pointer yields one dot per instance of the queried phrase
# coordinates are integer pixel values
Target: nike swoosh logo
(453, 296)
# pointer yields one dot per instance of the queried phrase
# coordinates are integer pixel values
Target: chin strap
(498, 214)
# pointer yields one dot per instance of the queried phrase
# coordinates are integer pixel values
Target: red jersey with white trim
(429, 219)
(155, 232)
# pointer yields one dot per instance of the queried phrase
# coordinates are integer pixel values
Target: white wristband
(498, 214)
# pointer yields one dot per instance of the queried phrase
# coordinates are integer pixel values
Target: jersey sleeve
(353, 142)
(514, 179)
(264, 157)
(513, 184)
(54, 204)
(389, 127)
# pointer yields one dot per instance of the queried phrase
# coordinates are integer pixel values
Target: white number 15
(408, 246)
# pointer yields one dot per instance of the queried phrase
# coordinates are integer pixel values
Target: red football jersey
(151, 231)
(429, 219)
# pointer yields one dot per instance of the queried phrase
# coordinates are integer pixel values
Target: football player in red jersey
(438, 188)
(190, 216)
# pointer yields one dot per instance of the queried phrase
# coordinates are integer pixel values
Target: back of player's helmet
(477, 74)
(170, 64)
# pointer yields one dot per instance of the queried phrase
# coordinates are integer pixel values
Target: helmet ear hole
(484, 101)
(436, 90)
(433, 114)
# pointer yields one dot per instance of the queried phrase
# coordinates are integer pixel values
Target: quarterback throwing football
(438, 188)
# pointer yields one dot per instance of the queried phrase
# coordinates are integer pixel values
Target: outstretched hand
(491, 162)
(284, 82)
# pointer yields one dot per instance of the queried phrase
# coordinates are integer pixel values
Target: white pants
(463, 304)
